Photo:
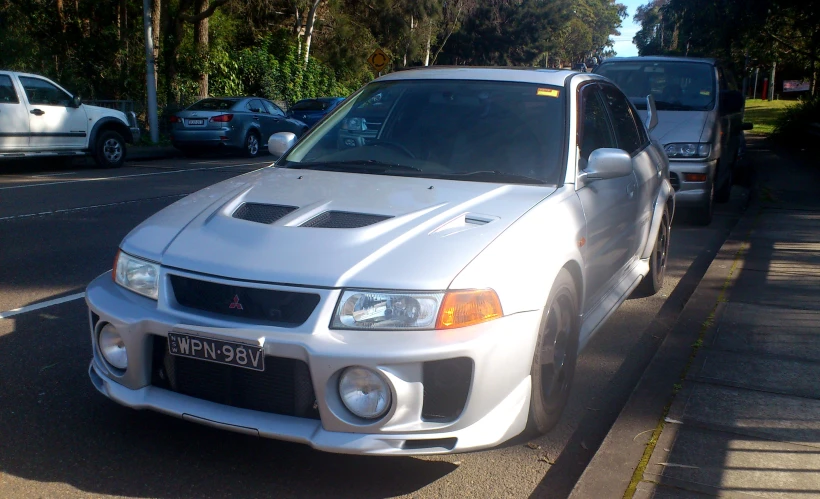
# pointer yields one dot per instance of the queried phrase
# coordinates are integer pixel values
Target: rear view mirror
(651, 113)
(279, 143)
(607, 163)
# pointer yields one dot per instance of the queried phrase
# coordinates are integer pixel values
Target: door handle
(37, 112)
(630, 190)
(256, 118)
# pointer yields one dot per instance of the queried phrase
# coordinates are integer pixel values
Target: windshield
(467, 130)
(676, 86)
(213, 105)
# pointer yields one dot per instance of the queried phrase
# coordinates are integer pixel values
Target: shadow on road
(56, 429)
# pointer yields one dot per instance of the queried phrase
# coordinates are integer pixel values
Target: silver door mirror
(651, 113)
(280, 142)
(607, 163)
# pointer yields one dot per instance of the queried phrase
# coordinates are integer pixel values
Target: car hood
(435, 228)
(679, 126)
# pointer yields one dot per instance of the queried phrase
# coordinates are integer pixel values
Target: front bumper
(692, 194)
(495, 410)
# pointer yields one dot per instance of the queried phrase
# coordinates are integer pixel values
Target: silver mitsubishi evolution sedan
(416, 275)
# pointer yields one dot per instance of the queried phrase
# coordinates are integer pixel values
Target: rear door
(54, 122)
(280, 121)
(14, 122)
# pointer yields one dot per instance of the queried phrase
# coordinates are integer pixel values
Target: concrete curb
(610, 471)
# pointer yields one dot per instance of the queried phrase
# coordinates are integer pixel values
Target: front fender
(666, 196)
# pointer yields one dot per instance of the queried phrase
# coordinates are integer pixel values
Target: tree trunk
(156, 27)
(771, 81)
(61, 15)
(201, 41)
(311, 19)
(429, 40)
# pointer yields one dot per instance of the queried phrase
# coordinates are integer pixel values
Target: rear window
(213, 105)
(310, 105)
(676, 86)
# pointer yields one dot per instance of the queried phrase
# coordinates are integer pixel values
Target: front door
(54, 122)
(13, 117)
(609, 205)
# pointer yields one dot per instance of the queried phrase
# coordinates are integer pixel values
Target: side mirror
(607, 163)
(76, 101)
(279, 143)
(731, 102)
(651, 113)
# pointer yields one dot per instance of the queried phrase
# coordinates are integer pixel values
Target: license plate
(222, 352)
(196, 122)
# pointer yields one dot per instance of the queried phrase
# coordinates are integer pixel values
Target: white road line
(81, 208)
(220, 161)
(38, 306)
(52, 174)
(99, 179)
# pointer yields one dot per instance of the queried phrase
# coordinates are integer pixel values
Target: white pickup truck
(39, 118)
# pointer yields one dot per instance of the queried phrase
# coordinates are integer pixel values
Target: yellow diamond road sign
(378, 60)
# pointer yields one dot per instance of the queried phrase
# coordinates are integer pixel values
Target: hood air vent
(343, 220)
(262, 213)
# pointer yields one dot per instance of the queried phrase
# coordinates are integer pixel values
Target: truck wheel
(556, 353)
(109, 151)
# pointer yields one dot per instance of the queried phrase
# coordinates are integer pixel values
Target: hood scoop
(262, 213)
(343, 220)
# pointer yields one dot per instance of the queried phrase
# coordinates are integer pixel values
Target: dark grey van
(700, 122)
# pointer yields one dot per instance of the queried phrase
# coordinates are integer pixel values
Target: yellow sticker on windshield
(705, 92)
(548, 92)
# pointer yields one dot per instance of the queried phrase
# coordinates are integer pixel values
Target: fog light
(694, 177)
(364, 392)
(112, 347)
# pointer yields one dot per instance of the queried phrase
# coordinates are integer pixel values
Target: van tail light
(222, 118)
(175, 119)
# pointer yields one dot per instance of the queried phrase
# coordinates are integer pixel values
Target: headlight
(392, 310)
(354, 124)
(137, 275)
(112, 347)
(364, 392)
(688, 150)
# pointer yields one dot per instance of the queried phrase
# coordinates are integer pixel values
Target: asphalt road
(60, 226)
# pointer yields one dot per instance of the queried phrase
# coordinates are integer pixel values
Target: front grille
(284, 387)
(674, 180)
(343, 220)
(281, 308)
(446, 387)
(262, 213)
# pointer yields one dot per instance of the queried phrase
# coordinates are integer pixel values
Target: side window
(727, 80)
(7, 93)
(42, 93)
(623, 119)
(273, 109)
(594, 130)
(256, 106)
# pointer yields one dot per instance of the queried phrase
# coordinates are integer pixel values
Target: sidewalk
(745, 420)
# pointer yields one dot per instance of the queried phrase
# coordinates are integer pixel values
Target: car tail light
(175, 119)
(222, 118)
(695, 177)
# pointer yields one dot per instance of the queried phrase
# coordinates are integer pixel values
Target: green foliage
(793, 124)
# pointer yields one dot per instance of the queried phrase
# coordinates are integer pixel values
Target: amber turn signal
(467, 308)
(694, 177)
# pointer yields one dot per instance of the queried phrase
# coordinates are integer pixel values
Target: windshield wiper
(498, 175)
(368, 164)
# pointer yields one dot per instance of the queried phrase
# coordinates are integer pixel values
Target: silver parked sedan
(416, 276)
(240, 123)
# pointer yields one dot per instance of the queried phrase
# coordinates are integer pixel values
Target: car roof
(660, 58)
(556, 77)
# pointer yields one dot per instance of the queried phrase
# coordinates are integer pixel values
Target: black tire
(109, 151)
(252, 146)
(724, 192)
(557, 339)
(653, 281)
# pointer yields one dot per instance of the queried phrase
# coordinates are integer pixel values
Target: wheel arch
(665, 199)
(105, 124)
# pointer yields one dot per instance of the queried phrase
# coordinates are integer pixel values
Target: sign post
(378, 60)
